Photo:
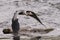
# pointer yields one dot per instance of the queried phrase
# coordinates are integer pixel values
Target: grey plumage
(15, 27)
(15, 23)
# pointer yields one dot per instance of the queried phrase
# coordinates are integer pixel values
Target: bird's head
(28, 13)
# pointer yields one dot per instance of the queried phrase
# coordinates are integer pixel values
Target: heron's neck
(15, 16)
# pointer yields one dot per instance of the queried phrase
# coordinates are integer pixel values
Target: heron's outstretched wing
(34, 16)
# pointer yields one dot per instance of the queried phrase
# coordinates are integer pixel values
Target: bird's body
(15, 24)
